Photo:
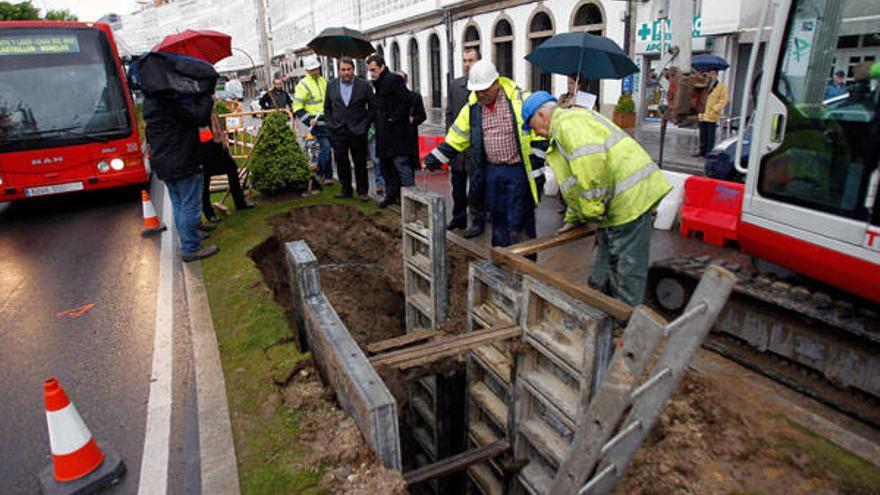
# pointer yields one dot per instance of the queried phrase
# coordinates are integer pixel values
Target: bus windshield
(59, 87)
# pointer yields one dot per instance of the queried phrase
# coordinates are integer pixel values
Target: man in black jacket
(417, 116)
(393, 104)
(349, 110)
(464, 198)
(276, 97)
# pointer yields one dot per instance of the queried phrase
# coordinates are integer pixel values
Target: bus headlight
(117, 164)
(103, 166)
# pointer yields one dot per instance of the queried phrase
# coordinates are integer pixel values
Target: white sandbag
(667, 211)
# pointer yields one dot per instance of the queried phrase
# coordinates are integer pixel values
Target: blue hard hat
(532, 104)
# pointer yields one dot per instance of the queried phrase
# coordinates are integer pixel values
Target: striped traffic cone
(79, 464)
(152, 224)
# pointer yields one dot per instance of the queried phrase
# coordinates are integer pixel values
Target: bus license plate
(59, 188)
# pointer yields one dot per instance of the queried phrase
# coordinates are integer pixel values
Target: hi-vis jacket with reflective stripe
(308, 98)
(603, 173)
(467, 132)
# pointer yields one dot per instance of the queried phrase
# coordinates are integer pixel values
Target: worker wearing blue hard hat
(605, 177)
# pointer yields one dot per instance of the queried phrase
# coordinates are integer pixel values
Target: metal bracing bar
(597, 479)
(635, 425)
(650, 383)
(685, 318)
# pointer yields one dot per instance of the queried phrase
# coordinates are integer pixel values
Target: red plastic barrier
(711, 207)
(427, 144)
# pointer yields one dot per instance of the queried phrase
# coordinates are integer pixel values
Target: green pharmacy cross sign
(650, 33)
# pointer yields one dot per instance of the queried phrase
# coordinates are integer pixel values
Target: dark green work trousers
(621, 259)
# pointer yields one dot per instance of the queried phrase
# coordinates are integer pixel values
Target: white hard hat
(312, 63)
(482, 75)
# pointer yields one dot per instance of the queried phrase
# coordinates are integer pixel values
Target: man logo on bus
(47, 161)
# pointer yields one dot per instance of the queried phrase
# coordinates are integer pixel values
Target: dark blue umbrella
(591, 56)
(706, 62)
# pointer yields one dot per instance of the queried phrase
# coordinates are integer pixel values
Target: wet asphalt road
(64, 252)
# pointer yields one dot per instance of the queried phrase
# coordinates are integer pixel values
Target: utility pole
(265, 48)
(681, 20)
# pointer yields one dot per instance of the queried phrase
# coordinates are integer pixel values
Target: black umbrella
(341, 42)
(590, 56)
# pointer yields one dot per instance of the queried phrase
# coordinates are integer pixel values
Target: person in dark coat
(393, 144)
(466, 195)
(276, 97)
(217, 160)
(417, 115)
(349, 110)
(172, 121)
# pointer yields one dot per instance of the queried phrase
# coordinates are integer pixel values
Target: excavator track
(802, 336)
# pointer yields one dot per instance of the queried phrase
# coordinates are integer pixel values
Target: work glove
(432, 163)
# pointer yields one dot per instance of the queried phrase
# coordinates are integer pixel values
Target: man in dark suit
(393, 104)
(464, 198)
(349, 110)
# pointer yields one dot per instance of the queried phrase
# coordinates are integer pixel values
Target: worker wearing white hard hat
(504, 160)
(308, 106)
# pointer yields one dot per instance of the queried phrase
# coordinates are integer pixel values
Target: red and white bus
(67, 122)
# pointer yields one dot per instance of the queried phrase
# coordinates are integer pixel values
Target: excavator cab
(811, 192)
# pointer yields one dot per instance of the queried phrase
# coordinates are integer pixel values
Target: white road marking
(157, 440)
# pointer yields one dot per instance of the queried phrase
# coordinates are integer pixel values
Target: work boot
(388, 201)
(459, 223)
(475, 230)
(203, 252)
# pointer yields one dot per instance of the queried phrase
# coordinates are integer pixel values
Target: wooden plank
(455, 463)
(442, 348)
(404, 340)
(614, 307)
(537, 245)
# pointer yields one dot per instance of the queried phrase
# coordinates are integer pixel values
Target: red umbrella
(204, 44)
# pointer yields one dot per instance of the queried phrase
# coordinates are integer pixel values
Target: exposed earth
(710, 439)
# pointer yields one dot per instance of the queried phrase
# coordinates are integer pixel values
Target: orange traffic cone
(152, 225)
(79, 463)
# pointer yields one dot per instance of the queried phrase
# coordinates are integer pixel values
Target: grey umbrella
(341, 42)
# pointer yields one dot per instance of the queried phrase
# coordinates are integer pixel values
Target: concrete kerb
(219, 469)
(359, 389)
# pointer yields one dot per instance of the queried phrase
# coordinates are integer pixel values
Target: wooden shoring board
(414, 337)
(456, 463)
(537, 245)
(614, 307)
(440, 348)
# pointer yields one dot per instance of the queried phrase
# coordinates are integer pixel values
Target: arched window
(502, 47)
(380, 50)
(588, 17)
(540, 30)
(395, 56)
(414, 71)
(471, 37)
(436, 77)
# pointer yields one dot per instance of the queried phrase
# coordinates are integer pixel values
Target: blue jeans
(186, 206)
(325, 160)
(377, 168)
(512, 209)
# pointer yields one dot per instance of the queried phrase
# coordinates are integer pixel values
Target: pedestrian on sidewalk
(468, 199)
(276, 98)
(608, 178)
(417, 115)
(708, 120)
(393, 107)
(349, 111)
(216, 160)
(490, 126)
(308, 106)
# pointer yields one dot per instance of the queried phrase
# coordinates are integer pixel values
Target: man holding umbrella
(605, 177)
(308, 106)
(707, 121)
(489, 126)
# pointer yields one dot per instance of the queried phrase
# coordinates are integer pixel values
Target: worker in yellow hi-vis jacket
(308, 106)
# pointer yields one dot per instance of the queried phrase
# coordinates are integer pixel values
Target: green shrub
(221, 107)
(278, 163)
(625, 104)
